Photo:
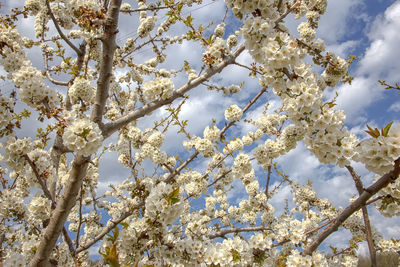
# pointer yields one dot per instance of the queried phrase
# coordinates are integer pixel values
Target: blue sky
(367, 29)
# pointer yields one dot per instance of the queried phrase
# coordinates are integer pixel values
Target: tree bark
(60, 214)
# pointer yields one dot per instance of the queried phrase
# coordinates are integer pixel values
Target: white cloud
(395, 107)
(334, 23)
(329, 182)
(278, 200)
(339, 239)
(355, 98)
(381, 57)
(379, 62)
(343, 49)
(300, 164)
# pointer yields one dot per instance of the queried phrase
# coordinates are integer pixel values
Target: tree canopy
(95, 80)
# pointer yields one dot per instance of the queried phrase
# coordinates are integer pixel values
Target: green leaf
(385, 131)
(172, 197)
(235, 255)
(125, 225)
(373, 132)
(85, 132)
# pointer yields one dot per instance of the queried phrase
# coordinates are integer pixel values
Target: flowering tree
(87, 90)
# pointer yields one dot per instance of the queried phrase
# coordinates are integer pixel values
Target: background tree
(173, 209)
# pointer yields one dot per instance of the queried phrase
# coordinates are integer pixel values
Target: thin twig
(147, 9)
(39, 179)
(307, 233)
(246, 67)
(65, 38)
(284, 15)
(237, 230)
(268, 180)
(375, 199)
(80, 219)
(108, 228)
(46, 66)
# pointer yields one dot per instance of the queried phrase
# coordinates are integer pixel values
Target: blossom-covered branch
(356, 205)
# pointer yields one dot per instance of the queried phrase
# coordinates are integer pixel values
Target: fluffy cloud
(381, 57)
(334, 24)
(379, 62)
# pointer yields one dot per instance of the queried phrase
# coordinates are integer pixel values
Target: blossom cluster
(34, 6)
(15, 151)
(333, 143)
(12, 53)
(232, 41)
(204, 146)
(211, 133)
(240, 8)
(336, 69)
(268, 123)
(149, 144)
(6, 106)
(163, 204)
(27, 78)
(378, 154)
(242, 165)
(43, 166)
(163, 87)
(219, 30)
(83, 136)
(33, 90)
(233, 113)
(316, 259)
(195, 185)
(306, 31)
(215, 52)
(81, 90)
(39, 210)
(233, 145)
(125, 7)
(12, 205)
(146, 26)
(273, 50)
(389, 205)
(75, 5)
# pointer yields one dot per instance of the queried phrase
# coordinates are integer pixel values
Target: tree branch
(356, 205)
(307, 233)
(237, 230)
(80, 219)
(60, 214)
(196, 153)
(148, 9)
(48, 194)
(113, 126)
(106, 230)
(62, 35)
(370, 241)
(268, 180)
(41, 182)
(106, 64)
(47, 71)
